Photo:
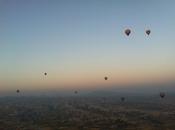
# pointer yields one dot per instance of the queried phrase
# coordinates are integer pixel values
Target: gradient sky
(78, 42)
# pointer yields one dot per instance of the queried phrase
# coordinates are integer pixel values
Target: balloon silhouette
(122, 99)
(162, 94)
(17, 91)
(127, 32)
(106, 78)
(148, 32)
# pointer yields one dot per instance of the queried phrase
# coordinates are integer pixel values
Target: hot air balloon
(106, 78)
(45, 73)
(148, 32)
(17, 91)
(122, 99)
(127, 32)
(162, 94)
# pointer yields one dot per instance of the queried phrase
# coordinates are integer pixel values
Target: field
(87, 113)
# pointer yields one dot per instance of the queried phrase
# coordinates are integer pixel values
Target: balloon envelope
(122, 99)
(162, 94)
(148, 32)
(127, 32)
(106, 78)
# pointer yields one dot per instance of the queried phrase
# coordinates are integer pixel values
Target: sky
(79, 42)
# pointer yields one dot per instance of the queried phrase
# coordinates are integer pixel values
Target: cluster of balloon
(162, 95)
(106, 78)
(122, 99)
(127, 32)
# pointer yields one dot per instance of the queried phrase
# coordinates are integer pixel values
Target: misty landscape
(91, 112)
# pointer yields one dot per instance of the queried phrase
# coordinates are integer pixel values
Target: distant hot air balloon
(122, 99)
(127, 32)
(106, 78)
(45, 73)
(162, 94)
(17, 91)
(148, 32)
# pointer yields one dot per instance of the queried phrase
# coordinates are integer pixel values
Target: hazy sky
(78, 42)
